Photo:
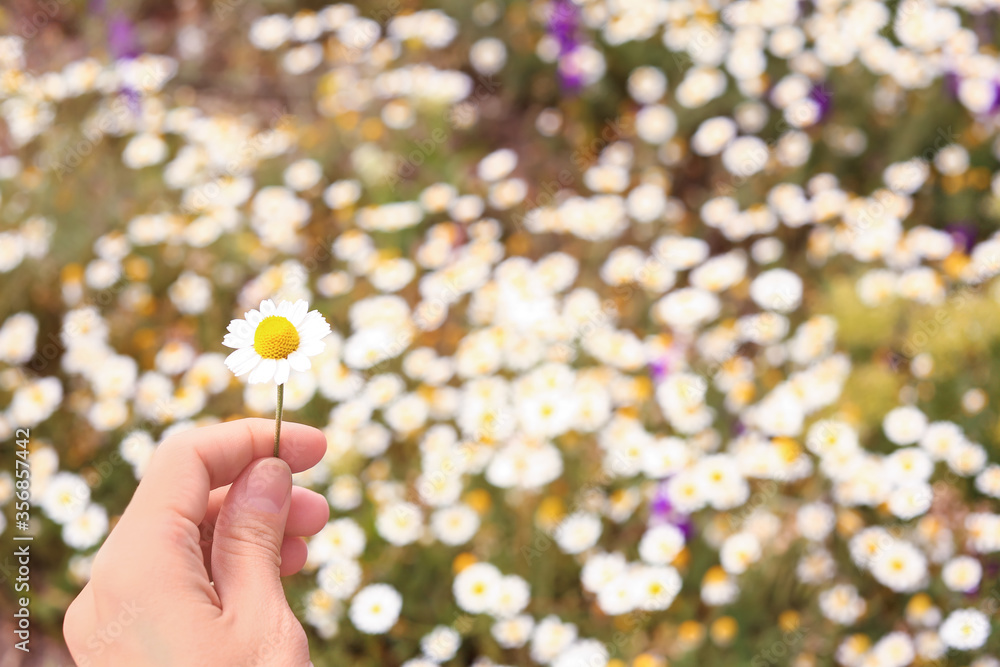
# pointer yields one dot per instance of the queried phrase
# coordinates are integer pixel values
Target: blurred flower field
(663, 330)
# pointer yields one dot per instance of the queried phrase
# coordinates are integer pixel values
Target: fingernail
(268, 485)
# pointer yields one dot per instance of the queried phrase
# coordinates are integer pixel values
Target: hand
(169, 589)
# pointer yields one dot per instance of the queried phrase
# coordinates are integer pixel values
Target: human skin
(191, 574)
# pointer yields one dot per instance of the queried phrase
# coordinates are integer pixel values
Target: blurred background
(716, 278)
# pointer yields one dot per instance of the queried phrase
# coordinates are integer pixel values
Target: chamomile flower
(86, 529)
(17, 338)
(339, 577)
(600, 569)
(274, 340)
(842, 604)
(441, 644)
(477, 588)
(550, 638)
(661, 544)
(400, 523)
(900, 566)
(513, 597)
(455, 524)
(962, 574)
(739, 552)
(375, 609)
(583, 652)
(655, 587)
(578, 532)
(965, 629)
(66, 496)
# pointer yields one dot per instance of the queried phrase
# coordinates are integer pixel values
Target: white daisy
(376, 609)
(965, 629)
(962, 573)
(86, 529)
(441, 644)
(578, 532)
(477, 587)
(65, 497)
(550, 638)
(661, 544)
(900, 566)
(275, 340)
(339, 577)
(588, 652)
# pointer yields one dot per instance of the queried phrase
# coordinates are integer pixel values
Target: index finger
(187, 466)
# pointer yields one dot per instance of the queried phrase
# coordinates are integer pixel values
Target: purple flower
(963, 234)
(822, 96)
(569, 77)
(563, 26)
(662, 511)
(132, 99)
(121, 38)
(950, 82)
(660, 506)
(684, 523)
(659, 369)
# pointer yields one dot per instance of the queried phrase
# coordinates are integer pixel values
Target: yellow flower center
(275, 338)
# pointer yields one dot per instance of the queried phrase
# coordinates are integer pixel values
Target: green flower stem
(277, 418)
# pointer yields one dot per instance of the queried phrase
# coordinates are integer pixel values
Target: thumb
(246, 548)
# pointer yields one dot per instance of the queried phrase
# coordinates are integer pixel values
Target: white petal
(316, 331)
(267, 308)
(253, 318)
(283, 309)
(248, 366)
(281, 372)
(313, 327)
(237, 340)
(311, 316)
(239, 356)
(299, 310)
(242, 360)
(311, 348)
(299, 361)
(264, 372)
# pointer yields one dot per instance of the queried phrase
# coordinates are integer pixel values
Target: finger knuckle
(250, 539)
